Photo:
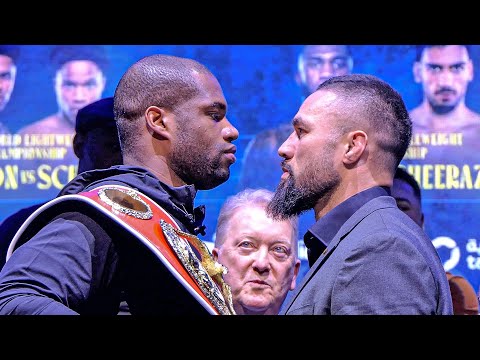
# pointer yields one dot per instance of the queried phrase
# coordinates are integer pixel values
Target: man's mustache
(445, 89)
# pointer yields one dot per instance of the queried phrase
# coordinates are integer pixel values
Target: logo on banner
(454, 251)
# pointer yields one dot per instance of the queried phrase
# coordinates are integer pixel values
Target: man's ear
(298, 78)
(78, 142)
(296, 269)
(470, 70)
(417, 68)
(158, 121)
(104, 83)
(355, 147)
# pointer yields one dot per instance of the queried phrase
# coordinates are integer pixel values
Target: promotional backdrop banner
(37, 118)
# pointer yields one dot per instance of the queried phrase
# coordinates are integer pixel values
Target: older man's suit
(379, 262)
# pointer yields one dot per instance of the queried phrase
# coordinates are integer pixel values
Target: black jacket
(75, 260)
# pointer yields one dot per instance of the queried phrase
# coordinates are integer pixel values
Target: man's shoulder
(4, 129)
(474, 117)
(460, 281)
(465, 299)
(419, 116)
(416, 110)
(50, 124)
(380, 216)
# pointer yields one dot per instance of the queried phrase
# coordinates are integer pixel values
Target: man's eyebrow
(296, 121)
(431, 64)
(460, 63)
(218, 105)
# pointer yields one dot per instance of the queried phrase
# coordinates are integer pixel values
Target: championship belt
(186, 257)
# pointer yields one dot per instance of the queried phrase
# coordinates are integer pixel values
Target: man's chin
(211, 184)
(257, 304)
(444, 108)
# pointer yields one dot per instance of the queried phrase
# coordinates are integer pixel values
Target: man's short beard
(190, 164)
(443, 109)
(290, 200)
(202, 172)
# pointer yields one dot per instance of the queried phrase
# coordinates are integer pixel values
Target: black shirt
(320, 234)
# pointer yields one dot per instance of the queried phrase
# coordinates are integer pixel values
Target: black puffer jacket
(74, 260)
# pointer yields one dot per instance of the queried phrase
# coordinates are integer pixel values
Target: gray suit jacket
(380, 262)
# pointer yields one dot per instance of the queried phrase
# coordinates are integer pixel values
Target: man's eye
(245, 244)
(434, 68)
(339, 64)
(280, 250)
(458, 68)
(216, 116)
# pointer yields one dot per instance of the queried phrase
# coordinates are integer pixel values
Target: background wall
(258, 83)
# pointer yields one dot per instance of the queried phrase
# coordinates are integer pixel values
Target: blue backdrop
(258, 83)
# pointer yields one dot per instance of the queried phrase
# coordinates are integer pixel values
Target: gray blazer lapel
(318, 263)
(371, 206)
